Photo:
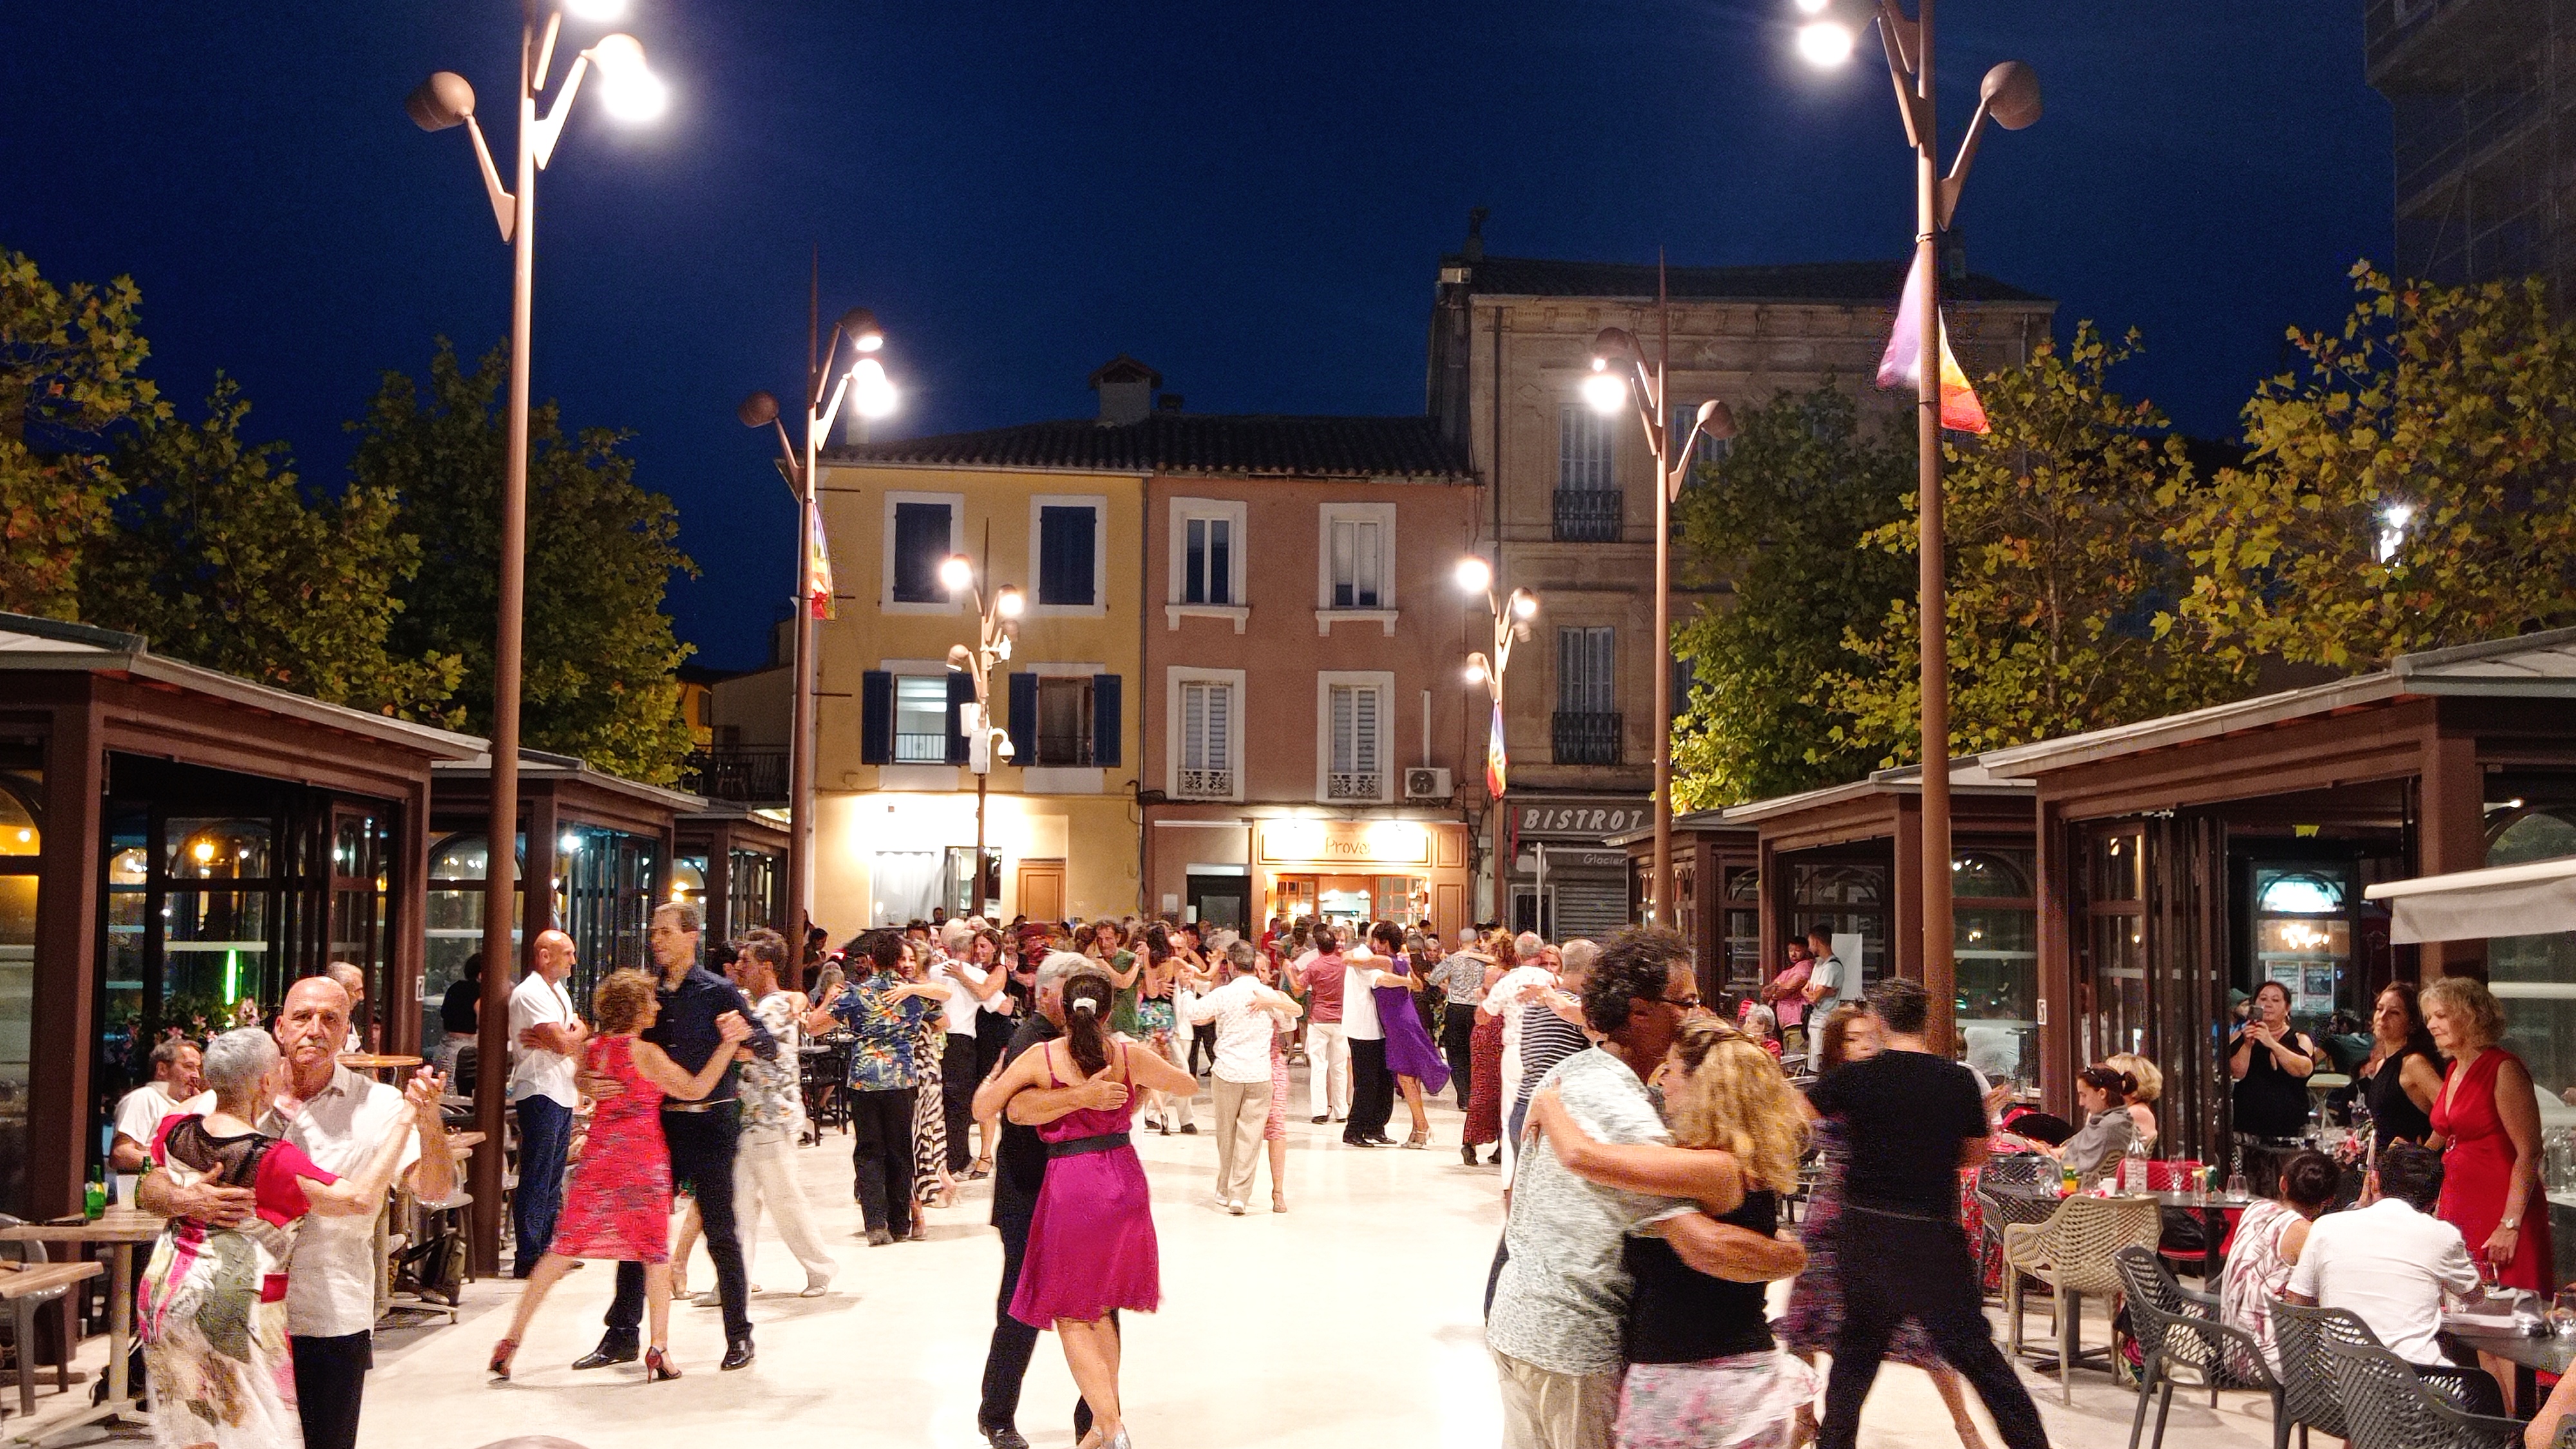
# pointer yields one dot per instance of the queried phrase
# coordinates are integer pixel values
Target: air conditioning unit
(1422, 782)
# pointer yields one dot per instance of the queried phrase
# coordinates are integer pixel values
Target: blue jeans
(545, 1135)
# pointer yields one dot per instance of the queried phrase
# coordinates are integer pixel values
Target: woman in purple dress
(1091, 1240)
(1411, 1055)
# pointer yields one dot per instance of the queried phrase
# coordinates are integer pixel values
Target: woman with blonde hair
(1703, 1369)
(2146, 1085)
(2486, 1124)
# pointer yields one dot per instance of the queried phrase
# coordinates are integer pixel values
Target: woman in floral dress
(1815, 1316)
(618, 1204)
(211, 1307)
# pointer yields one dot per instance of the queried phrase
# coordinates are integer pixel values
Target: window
(1584, 671)
(1207, 561)
(1357, 552)
(923, 537)
(1064, 722)
(1068, 557)
(1357, 711)
(1584, 452)
(921, 719)
(1206, 766)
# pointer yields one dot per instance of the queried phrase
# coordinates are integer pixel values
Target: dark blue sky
(1250, 198)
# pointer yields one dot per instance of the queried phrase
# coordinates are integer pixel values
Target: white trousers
(1328, 1069)
(764, 1175)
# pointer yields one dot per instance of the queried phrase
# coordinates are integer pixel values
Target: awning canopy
(2507, 900)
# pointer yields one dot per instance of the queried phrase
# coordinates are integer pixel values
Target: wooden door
(1449, 908)
(1041, 890)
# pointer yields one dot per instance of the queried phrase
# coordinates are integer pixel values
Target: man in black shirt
(1911, 1121)
(1019, 1170)
(702, 1135)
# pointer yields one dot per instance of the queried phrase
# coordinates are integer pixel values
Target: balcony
(1585, 738)
(1591, 515)
(920, 749)
(1354, 785)
(746, 775)
(1205, 784)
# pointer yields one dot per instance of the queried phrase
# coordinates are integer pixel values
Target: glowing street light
(996, 627)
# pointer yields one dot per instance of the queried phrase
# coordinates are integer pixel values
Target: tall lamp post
(865, 387)
(631, 92)
(1620, 378)
(997, 624)
(2009, 96)
(1511, 622)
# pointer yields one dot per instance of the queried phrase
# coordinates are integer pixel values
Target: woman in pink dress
(618, 1204)
(1091, 1240)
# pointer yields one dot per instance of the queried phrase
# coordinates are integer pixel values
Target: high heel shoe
(502, 1353)
(1418, 1140)
(657, 1366)
(1278, 1202)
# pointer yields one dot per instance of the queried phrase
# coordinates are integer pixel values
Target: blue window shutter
(961, 690)
(876, 717)
(1023, 723)
(1104, 720)
(1065, 540)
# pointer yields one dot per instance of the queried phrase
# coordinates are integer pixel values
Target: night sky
(1251, 198)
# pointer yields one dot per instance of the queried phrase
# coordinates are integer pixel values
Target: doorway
(1218, 901)
(1041, 890)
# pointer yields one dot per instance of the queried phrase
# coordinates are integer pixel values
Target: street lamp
(866, 387)
(1511, 623)
(631, 92)
(2009, 96)
(1619, 379)
(997, 624)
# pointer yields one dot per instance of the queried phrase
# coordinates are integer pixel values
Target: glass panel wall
(2535, 976)
(455, 917)
(607, 883)
(1743, 931)
(22, 853)
(753, 890)
(1995, 944)
(2303, 938)
(1843, 899)
(2112, 995)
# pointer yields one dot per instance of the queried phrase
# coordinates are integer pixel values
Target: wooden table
(121, 1229)
(2531, 1357)
(20, 1285)
(376, 1062)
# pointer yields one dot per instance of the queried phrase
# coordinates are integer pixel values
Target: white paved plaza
(1350, 1322)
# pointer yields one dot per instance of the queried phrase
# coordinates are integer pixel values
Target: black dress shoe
(1358, 1142)
(1380, 1139)
(610, 1351)
(1003, 1436)
(737, 1353)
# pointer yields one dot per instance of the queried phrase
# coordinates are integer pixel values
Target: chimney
(1126, 389)
(1169, 402)
(1474, 250)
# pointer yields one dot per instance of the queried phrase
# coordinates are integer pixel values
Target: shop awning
(2507, 900)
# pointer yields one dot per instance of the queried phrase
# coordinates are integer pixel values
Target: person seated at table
(2102, 1091)
(2149, 1084)
(2388, 1264)
(2269, 1240)
(210, 1309)
(177, 1087)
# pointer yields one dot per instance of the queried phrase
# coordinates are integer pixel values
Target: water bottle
(2134, 1176)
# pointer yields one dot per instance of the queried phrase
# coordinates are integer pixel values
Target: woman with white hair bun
(214, 1382)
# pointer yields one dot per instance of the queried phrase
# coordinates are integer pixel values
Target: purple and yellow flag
(818, 571)
(1899, 367)
(1494, 761)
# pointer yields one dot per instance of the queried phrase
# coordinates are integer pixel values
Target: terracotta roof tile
(1221, 444)
(1877, 282)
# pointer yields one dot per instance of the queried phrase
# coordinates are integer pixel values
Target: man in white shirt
(546, 1042)
(339, 1118)
(1247, 1015)
(1372, 1090)
(175, 1090)
(967, 985)
(1831, 981)
(2389, 1263)
(1518, 986)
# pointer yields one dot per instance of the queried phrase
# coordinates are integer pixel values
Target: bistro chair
(2181, 1341)
(2566, 1434)
(2007, 1190)
(2389, 1407)
(23, 1346)
(2071, 1253)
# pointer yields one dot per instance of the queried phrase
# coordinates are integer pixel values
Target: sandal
(1418, 1140)
(1278, 1201)
(980, 1169)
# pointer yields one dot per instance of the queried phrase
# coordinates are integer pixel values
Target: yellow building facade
(895, 801)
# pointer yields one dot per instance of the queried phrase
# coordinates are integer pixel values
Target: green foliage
(222, 559)
(69, 383)
(1783, 515)
(597, 676)
(2457, 403)
(2054, 524)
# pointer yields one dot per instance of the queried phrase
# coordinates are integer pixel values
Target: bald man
(546, 1041)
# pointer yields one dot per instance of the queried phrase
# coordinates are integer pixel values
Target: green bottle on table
(94, 1197)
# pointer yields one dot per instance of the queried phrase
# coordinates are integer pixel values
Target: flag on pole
(1494, 761)
(818, 571)
(1960, 410)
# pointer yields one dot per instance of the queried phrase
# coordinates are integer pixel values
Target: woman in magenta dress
(618, 1204)
(1091, 1240)
(2487, 1124)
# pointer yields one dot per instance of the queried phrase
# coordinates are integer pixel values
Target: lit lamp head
(1524, 605)
(860, 326)
(1604, 391)
(1477, 672)
(597, 12)
(956, 573)
(871, 391)
(1474, 574)
(1825, 40)
(629, 88)
(1009, 603)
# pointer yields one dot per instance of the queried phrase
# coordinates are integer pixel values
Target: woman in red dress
(2486, 1122)
(618, 1204)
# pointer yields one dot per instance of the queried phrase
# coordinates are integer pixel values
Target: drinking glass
(2237, 1186)
(2562, 1313)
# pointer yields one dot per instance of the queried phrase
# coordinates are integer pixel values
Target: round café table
(379, 1062)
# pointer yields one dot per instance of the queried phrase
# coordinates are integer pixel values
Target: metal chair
(2071, 1253)
(2389, 1407)
(2308, 1392)
(2181, 1341)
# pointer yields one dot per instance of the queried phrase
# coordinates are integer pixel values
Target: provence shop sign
(1579, 819)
